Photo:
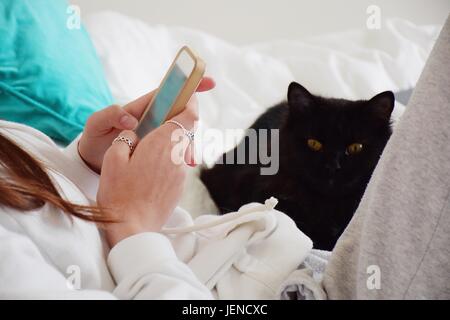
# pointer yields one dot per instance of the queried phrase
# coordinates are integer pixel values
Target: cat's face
(336, 143)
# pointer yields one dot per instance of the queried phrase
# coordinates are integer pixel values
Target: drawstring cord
(269, 204)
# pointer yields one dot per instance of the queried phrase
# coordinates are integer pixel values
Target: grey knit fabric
(401, 230)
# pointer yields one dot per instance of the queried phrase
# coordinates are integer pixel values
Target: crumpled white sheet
(355, 65)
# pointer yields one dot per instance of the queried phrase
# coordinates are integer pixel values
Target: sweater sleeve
(83, 176)
(144, 266)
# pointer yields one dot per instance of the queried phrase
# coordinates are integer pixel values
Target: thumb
(112, 117)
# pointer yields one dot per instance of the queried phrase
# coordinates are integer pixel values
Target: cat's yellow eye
(315, 145)
(354, 148)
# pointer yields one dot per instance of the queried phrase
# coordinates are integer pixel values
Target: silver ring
(127, 140)
(189, 134)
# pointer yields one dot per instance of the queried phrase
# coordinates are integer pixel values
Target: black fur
(319, 190)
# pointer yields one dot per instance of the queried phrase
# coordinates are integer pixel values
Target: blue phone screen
(163, 101)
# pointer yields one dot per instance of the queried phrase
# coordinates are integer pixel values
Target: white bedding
(355, 65)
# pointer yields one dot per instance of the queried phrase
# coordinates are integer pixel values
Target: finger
(187, 119)
(114, 116)
(120, 150)
(189, 116)
(206, 84)
(138, 106)
(189, 157)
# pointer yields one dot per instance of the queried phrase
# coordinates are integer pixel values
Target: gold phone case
(189, 88)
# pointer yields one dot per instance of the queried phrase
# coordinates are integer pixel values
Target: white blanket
(355, 65)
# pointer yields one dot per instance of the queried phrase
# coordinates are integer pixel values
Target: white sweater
(47, 254)
(42, 252)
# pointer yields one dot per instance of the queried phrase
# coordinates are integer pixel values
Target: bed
(354, 65)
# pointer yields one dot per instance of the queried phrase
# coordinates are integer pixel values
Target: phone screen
(168, 92)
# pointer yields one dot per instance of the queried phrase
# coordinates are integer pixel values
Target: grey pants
(397, 245)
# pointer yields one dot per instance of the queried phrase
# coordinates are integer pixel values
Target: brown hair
(27, 186)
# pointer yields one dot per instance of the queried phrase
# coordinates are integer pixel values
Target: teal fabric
(50, 75)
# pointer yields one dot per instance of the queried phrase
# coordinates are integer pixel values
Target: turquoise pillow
(50, 75)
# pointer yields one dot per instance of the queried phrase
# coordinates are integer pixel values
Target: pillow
(50, 75)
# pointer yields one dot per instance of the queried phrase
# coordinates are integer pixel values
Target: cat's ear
(298, 96)
(382, 105)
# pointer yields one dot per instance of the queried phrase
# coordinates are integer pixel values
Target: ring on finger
(126, 140)
(187, 133)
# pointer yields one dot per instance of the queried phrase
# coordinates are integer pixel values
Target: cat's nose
(334, 165)
(333, 168)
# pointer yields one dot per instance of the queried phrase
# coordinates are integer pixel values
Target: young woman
(56, 230)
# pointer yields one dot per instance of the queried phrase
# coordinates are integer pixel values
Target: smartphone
(174, 92)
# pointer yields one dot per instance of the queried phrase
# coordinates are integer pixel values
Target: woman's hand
(140, 190)
(104, 126)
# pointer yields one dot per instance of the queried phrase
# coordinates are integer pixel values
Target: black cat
(328, 149)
